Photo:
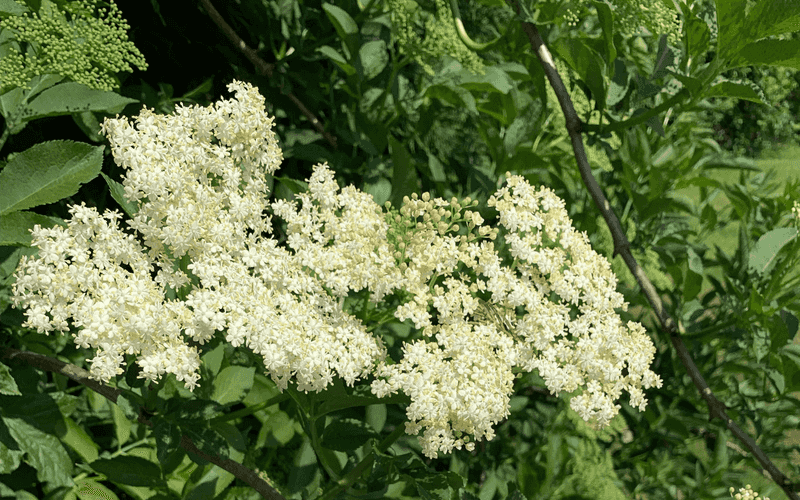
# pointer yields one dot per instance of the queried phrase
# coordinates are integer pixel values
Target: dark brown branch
(81, 376)
(622, 247)
(263, 68)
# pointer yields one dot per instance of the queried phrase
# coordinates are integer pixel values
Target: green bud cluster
(441, 37)
(423, 217)
(79, 40)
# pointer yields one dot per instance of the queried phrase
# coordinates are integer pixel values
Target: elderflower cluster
(77, 39)
(207, 265)
(746, 493)
(198, 177)
(551, 310)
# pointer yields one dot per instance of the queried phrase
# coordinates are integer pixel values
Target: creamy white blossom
(552, 310)
(199, 260)
(198, 177)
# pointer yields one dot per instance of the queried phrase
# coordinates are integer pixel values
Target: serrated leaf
(72, 97)
(9, 459)
(232, 384)
(43, 452)
(87, 489)
(785, 53)
(15, 227)
(775, 17)
(46, 173)
(494, 79)
(748, 91)
(133, 471)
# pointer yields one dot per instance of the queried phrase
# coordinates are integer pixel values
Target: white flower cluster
(551, 310)
(198, 177)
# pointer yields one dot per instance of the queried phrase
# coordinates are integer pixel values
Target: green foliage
(78, 40)
(440, 36)
(453, 129)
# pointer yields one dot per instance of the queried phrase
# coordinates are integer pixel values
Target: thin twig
(81, 376)
(622, 247)
(263, 67)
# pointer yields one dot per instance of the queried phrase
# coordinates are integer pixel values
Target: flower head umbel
(77, 39)
(551, 310)
(207, 266)
(198, 177)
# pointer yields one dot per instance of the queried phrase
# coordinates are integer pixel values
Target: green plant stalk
(462, 32)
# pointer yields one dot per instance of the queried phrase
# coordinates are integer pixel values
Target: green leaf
(404, 175)
(338, 59)
(212, 360)
(199, 410)
(209, 441)
(43, 452)
(586, 63)
(738, 90)
(730, 21)
(88, 489)
(8, 386)
(133, 471)
(376, 416)
(784, 53)
(46, 173)
(12, 8)
(15, 227)
(766, 249)
(494, 79)
(346, 434)
(122, 426)
(118, 193)
(71, 97)
(76, 438)
(380, 190)
(373, 57)
(232, 384)
(697, 32)
(129, 409)
(454, 96)
(345, 26)
(607, 25)
(168, 439)
(775, 17)
(288, 187)
(9, 459)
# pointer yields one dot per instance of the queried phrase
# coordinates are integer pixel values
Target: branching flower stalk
(198, 178)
